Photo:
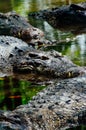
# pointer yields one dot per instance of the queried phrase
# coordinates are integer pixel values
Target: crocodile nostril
(33, 55)
(11, 55)
(7, 43)
(16, 48)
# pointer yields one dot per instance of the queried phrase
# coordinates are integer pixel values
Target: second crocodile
(17, 56)
(12, 24)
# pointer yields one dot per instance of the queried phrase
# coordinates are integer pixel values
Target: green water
(78, 128)
(69, 44)
(72, 46)
(14, 91)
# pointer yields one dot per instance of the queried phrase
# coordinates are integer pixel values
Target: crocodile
(12, 24)
(60, 106)
(17, 56)
(69, 17)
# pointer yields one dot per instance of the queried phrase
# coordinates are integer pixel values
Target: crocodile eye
(33, 55)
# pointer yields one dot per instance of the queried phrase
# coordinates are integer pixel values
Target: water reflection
(20, 6)
(69, 44)
(77, 52)
(78, 128)
(45, 4)
(5, 6)
(14, 92)
(74, 48)
(24, 6)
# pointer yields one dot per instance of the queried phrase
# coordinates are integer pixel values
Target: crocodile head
(66, 15)
(15, 25)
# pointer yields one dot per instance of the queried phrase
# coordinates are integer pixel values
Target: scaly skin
(69, 18)
(14, 25)
(60, 106)
(22, 58)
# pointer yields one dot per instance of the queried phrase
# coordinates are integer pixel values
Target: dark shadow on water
(5, 6)
(70, 44)
(14, 92)
(78, 128)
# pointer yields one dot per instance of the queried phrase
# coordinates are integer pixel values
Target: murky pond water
(14, 92)
(72, 46)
